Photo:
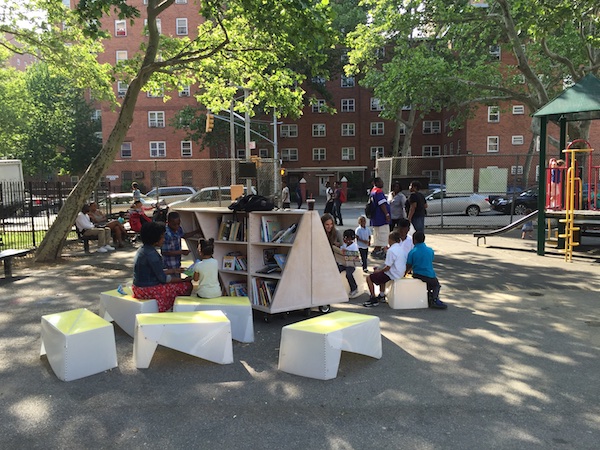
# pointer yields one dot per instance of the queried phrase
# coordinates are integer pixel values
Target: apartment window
(289, 154)
(433, 175)
(347, 82)
(517, 140)
(263, 152)
(158, 177)
(97, 114)
(493, 144)
(180, 2)
(402, 128)
(516, 170)
(186, 149)
(348, 154)
(158, 149)
(376, 104)
(458, 147)
(288, 130)
(98, 135)
(185, 91)
(377, 129)
(451, 147)
(127, 177)
(495, 52)
(121, 55)
(241, 153)
(344, 56)
(120, 28)
(347, 105)
(182, 26)
(376, 152)
(319, 154)
(432, 127)
(187, 177)
(518, 110)
(318, 106)
(121, 89)
(126, 150)
(319, 130)
(431, 150)
(156, 94)
(493, 114)
(348, 129)
(318, 80)
(156, 119)
(380, 53)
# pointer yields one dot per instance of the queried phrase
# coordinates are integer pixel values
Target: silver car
(439, 202)
(209, 196)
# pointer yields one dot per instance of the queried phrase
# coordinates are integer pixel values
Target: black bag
(252, 202)
(369, 208)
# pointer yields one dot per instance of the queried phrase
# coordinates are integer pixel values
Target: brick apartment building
(319, 146)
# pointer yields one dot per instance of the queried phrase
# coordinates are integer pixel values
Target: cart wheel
(325, 308)
(307, 312)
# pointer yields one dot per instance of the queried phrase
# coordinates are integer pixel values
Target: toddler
(206, 272)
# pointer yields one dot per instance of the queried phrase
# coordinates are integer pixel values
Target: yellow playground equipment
(573, 183)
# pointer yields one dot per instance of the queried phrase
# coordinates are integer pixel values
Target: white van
(209, 196)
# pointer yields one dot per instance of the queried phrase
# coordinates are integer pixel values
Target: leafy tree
(240, 43)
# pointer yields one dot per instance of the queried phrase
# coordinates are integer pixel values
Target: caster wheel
(325, 308)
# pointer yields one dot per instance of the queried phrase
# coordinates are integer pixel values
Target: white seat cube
(407, 293)
(237, 309)
(78, 344)
(312, 348)
(205, 334)
(122, 309)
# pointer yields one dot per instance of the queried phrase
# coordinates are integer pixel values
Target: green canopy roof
(579, 102)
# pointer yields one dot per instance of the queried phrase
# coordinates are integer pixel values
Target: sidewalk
(512, 363)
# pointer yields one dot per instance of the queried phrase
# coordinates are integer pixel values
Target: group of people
(91, 222)
(333, 202)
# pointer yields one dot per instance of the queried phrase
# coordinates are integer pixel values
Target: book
(228, 262)
(289, 235)
(268, 259)
(233, 233)
(346, 257)
(270, 227)
(189, 271)
(280, 258)
(238, 289)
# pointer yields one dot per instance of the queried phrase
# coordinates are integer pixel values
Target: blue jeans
(419, 223)
(349, 276)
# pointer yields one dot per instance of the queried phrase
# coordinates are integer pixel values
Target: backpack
(252, 202)
(342, 196)
(370, 208)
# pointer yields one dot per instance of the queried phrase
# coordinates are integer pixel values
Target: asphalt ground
(514, 362)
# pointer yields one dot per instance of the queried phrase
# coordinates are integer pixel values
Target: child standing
(394, 268)
(527, 229)
(206, 271)
(420, 261)
(349, 245)
(363, 240)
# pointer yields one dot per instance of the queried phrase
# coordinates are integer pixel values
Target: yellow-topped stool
(122, 308)
(78, 343)
(237, 309)
(312, 348)
(205, 334)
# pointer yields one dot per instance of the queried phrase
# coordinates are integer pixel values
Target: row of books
(238, 289)
(272, 231)
(263, 291)
(231, 230)
(235, 262)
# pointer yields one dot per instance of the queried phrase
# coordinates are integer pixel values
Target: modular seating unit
(237, 309)
(122, 309)
(407, 293)
(312, 348)
(78, 343)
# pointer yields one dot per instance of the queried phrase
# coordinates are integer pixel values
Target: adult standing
(299, 199)
(285, 196)
(337, 203)
(380, 220)
(397, 201)
(328, 198)
(418, 207)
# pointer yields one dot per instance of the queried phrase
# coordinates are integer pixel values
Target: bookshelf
(309, 277)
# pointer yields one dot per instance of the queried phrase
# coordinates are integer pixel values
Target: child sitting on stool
(420, 261)
(394, 268)
(350, 245)
(206, 271)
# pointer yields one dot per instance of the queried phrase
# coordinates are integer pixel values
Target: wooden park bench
(7, 256)
(85, 239)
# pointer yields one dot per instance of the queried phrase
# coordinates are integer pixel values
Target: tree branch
(561, 59)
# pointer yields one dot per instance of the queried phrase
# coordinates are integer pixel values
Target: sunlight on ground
(31, 411)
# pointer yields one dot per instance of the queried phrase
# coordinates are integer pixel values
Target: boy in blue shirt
(420, 261)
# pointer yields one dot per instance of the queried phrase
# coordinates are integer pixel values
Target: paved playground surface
(513, 363)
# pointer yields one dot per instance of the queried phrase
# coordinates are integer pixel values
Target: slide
(510, 226)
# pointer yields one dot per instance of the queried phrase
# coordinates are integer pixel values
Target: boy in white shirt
(349, 245)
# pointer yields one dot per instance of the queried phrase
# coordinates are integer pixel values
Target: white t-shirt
(353, 247)
(208, 282)
(396, 260)
(329, 193)
(83, 222)
(364, 234)
(285, 195)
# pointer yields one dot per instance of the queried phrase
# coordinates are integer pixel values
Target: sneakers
(372, 302)
(101, 250)
(366, 270)
(381, 298)
(438, 304)
(354, 293)
(108, 248)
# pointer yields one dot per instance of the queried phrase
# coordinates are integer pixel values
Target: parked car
(470, 205)
(522, 202)
(122, 202)
(170, 194)
(209, 196)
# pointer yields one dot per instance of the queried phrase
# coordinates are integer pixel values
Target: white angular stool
(407, 293)
(312, 348)
(205, 334)
(122, 309)
(237, 309)
(78, 344)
